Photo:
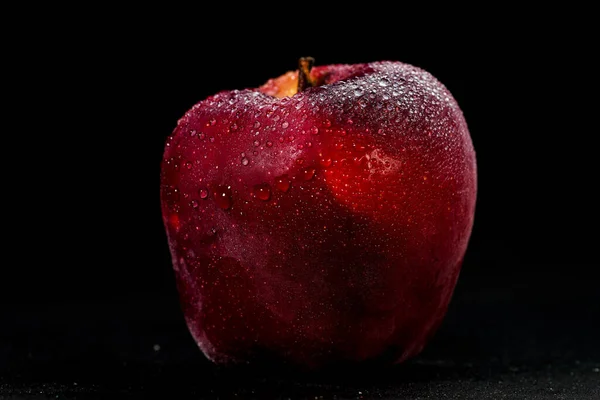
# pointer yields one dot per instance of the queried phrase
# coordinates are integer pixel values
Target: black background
(86, 287)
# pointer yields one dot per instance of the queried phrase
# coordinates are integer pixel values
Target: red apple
(321, 218)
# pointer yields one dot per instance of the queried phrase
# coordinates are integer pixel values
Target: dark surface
(497, 340)
(86, 286)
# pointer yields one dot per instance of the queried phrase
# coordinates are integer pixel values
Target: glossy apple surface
(324, 226)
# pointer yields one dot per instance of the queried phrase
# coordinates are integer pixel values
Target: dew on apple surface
(383, 82)
(262, 191)
(308, 173)
(349, 191)
(245, 161)
(282, 183)
(325, 162)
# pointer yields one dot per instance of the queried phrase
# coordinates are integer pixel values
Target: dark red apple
(321, 218)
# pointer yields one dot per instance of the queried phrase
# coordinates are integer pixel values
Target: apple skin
(325, 228)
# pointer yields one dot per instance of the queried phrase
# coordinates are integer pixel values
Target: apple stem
(305, 64)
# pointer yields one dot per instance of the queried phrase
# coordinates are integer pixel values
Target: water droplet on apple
(256, 143)
(233, 127)
(262, 191)
(383, 82)
(282, 183)
(211, 139)
(358, 92)
(212, 121)
(285, 124)
(222, 197)
(327, 123)
(326, 162)
(201, 136)
(188, 165)
(308, 174)
(203, 193)
(193, 133)
(256, 124)
(245, 161)
(194, 203)
(314, 130)
(269, 143)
